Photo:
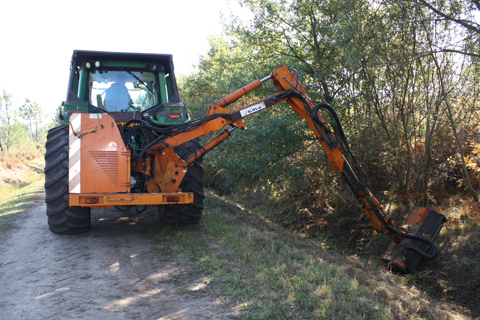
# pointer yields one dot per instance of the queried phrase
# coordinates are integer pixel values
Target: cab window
(123, 90)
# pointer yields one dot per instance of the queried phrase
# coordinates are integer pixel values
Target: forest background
(402, 76)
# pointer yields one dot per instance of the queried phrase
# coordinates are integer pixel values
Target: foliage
(21, 127)
(6, 121)
(274, 140)
(20, 171)
(320, 38)
(35, 118)
(227, 67)
(464, 16)
(400, 98)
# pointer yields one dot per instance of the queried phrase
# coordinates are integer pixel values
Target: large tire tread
(62, 219)
(55, 176)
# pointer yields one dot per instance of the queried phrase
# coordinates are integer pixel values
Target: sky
(38, 38)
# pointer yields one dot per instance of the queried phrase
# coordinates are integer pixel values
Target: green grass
(456, 275)
(20, 200)
(21, 182)
(268, 273)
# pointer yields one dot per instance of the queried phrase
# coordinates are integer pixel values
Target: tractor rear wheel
(184, 214)
(62, 219)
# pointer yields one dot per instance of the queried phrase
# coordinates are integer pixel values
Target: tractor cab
(125, 85)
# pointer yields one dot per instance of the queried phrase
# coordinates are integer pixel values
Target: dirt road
(112, 272)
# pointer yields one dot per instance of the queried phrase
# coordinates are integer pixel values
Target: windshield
(123, 90)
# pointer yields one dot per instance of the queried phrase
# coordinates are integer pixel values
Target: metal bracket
(84, 132)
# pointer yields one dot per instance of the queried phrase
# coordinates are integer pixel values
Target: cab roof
(80, 56)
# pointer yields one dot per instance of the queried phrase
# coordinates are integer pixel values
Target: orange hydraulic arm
(172, 168)
(291, 91)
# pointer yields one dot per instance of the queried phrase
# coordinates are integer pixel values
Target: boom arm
(291, 91)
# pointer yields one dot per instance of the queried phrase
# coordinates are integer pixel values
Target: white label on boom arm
(253, 109)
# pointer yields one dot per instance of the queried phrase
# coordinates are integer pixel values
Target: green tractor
(138, 95)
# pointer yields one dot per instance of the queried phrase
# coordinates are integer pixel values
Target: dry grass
(455, 275)
(19, 169)
(22, 199)
(269, 273)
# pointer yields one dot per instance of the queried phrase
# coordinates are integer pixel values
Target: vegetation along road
(233, 265)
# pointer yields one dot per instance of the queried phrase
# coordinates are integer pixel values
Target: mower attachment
(417, 234)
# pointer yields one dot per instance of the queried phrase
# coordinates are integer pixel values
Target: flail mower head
(415, 240)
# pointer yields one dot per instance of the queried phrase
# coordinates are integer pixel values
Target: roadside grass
(268, 273)
(452, 277)
(455, 274)
(21, 182)
(23, 198)
(19, 169)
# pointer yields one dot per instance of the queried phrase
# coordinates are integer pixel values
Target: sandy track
(112, 272)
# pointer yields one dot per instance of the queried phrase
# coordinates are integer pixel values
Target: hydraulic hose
(427, 241)
(416, 249)
(404, 234)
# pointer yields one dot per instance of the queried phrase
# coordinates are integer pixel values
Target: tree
(373, 62)
(260, 154)
(464, 14)
(7, 117)
(33, 114)
(323, 39)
